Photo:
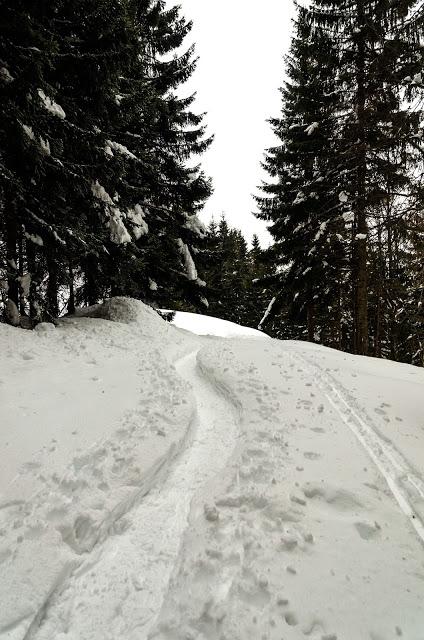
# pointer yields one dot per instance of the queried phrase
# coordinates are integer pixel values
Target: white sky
(240, 44)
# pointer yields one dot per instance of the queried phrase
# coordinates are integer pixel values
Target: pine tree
(97, 198)
(375, 128)
(371, 75)
(303, 200)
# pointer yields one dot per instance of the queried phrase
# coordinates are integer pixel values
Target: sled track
(403, 481)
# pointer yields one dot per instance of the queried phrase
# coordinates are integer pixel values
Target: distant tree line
(96, 195)
(345, 196)
(232, 271)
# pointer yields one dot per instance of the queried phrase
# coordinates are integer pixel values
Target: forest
(102, 187)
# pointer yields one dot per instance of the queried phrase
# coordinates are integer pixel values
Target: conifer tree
(376, 128)
(368, 168)
(302, 203)
(96, 196)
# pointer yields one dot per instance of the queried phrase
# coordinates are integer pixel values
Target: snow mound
(208, 325)
(127, 311)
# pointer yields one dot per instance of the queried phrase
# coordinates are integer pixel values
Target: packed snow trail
(403, 480)
(128, 577)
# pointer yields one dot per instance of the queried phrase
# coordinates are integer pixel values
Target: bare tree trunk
(360, 243)
(22, 302)
(71, 301)
(91, 288)
(31, 262)
(311, 322)
(12, 253)
(337, 324)
(52, 285)
(378, 311)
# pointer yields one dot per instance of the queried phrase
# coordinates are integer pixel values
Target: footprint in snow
(311, 455)
(291, 619)
(367, 531)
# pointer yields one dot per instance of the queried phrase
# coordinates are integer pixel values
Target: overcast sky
(241, 46)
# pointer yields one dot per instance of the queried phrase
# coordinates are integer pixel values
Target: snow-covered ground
(207, 325)
(165, 485)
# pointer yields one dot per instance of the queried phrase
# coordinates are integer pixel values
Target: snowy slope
(160, 484)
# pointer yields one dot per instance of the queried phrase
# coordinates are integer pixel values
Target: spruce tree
(302, 202)
(376, 128)
(96, 194)
(368, 167)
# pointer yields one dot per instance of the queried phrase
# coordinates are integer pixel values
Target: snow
(34, 238)
(28, 131)
(191, 481)
(115, 219)
(140, 226)
(118, 232)
(196, 226)
(153, 285)
(348, 217)
(5, 75)
(208, 325)
(312, 128)
(45, 146)
(188, 260)
(120, 148)
(100, 193)
(51, 106)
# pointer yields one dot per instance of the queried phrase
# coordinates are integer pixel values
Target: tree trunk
(91, 288)
(52, 285)
(360, 245)
(71, 301)
(12, 252)
(22, 302)
(32, 268)
(311, 323)
(378, 310)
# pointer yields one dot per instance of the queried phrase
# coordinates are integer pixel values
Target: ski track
(402, 480)
(136, 570)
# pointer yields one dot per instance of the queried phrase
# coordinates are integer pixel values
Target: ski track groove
(211, 395)
(391, 463)
(153, 478)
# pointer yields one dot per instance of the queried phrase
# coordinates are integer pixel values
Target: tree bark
(12, 251)
(71, 301)
(311, 322)
(32, 268)
(91, 288)
(360, 245)
(52, 285)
